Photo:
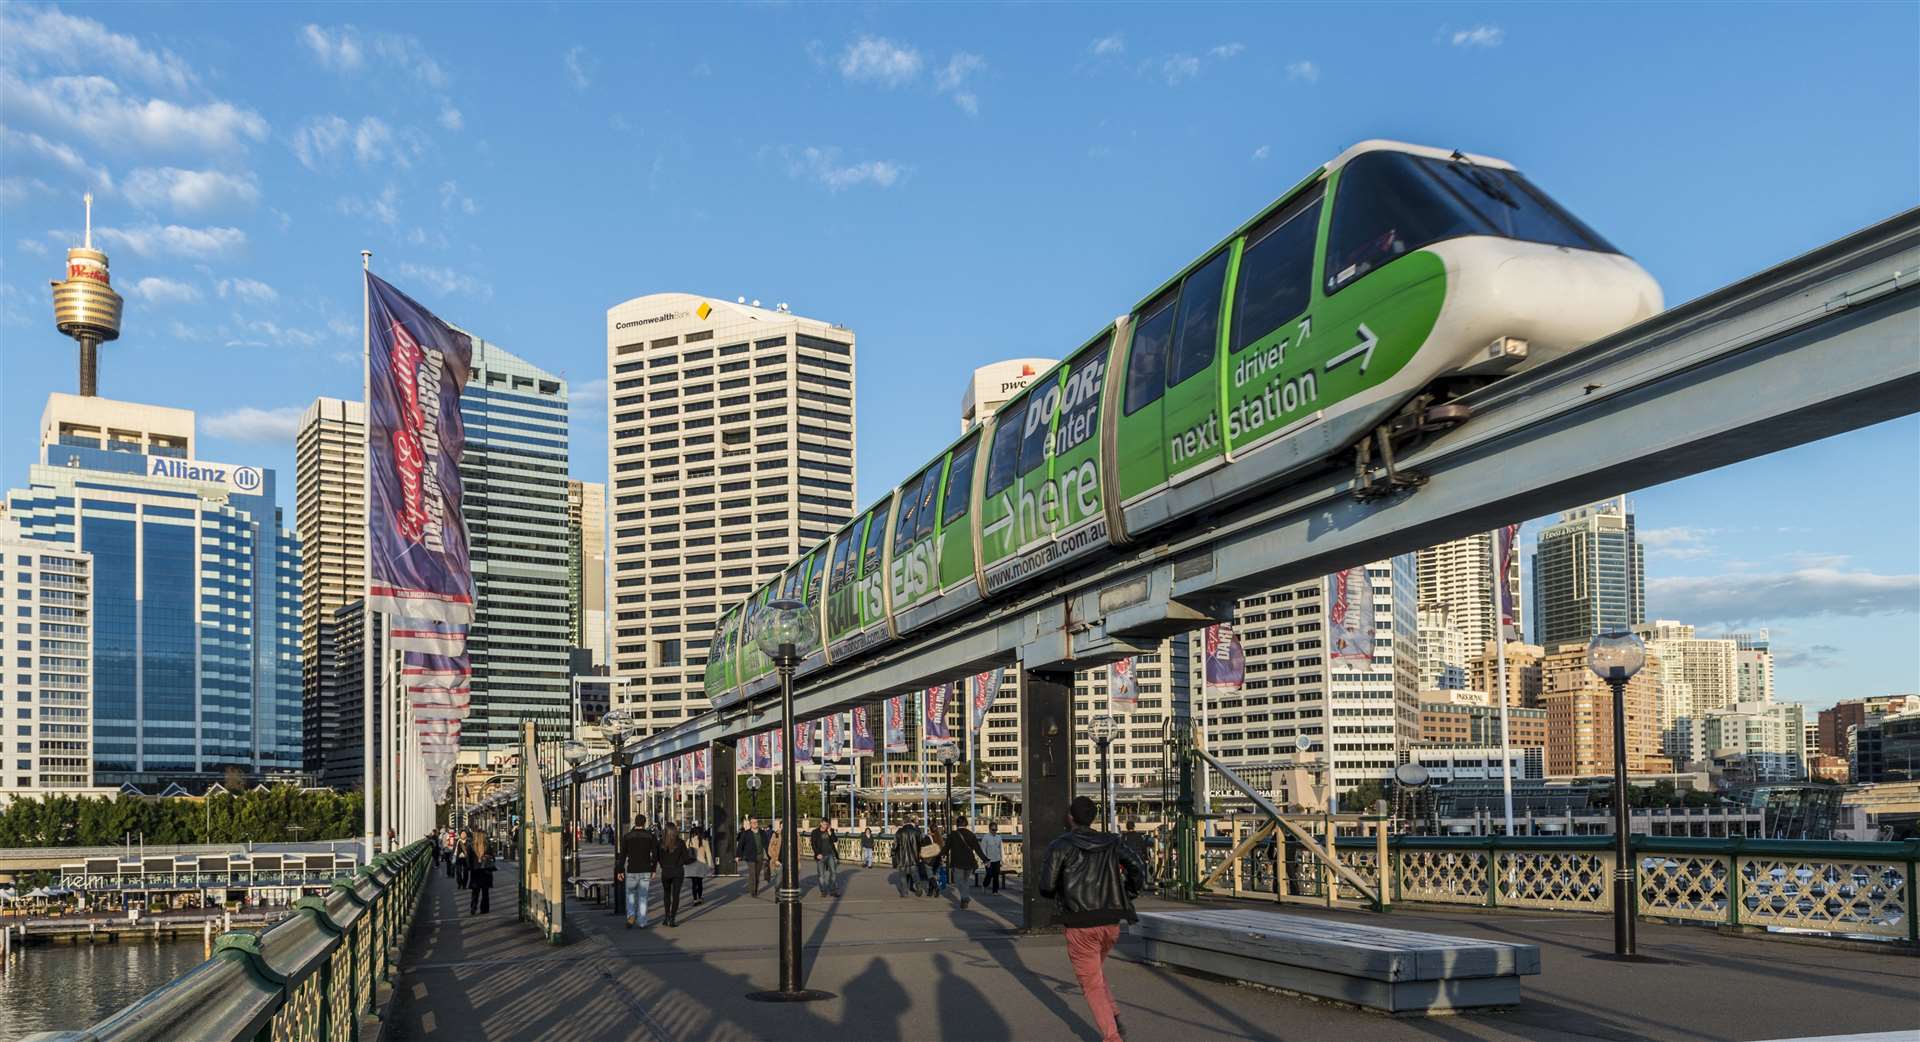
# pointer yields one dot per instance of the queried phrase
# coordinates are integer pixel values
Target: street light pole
(1615, 655)
(948, 754)
(1102, 730)
(788, 626)
(615, 723)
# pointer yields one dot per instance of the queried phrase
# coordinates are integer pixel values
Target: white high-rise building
(587, 568)
(1370, 710)
(1443, 650)
(730, 451)
(1768, 738)
(1753, 656)
(330, 516)
(46, 617)
(1457, 577)
(1697, 676)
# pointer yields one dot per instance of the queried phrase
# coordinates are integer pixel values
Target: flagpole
(388, 746)
(886, 779)
(973, 756)
(366, 518)
(920, 760)
(1500, 655)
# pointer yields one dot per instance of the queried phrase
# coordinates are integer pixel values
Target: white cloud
(1263, 152)
(969, 103)
(1810, 559)
(588, 396)
(323, 139)
(264, 333)
(33, 38)
(1179, 68)
(1226, 50)
(876, 59)
(345, 50)
(1741, 598)
(952, 77)
(1815, 656)
(451, 119)
(823, 167)
(248, 423)
(452, 199)
(1109, 46)
(580, 67)
(446, 280)
(250, 290)
(94, 107)
(384, 208)
(33, 246)
(1681, 543)
(1478, 36)
(17, 190)
(1303, 70)
(52, 154)
(191, 191)
(156, 290)
(153, 240)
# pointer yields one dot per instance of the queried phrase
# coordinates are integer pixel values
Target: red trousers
(1088, 946)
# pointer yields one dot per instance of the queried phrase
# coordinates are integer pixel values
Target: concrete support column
(1046, 782)
(723, 803)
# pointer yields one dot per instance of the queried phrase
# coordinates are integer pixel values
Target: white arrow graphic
(994, 529)
(1362, 350)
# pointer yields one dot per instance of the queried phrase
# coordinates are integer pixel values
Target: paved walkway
(918, 968)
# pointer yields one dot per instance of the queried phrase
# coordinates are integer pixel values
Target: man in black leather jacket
(1093, 877)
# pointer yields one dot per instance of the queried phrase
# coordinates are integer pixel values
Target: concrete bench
(1377, 967)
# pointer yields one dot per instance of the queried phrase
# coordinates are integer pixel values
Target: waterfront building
(1841, 719)
(1589, 574)
(330, 514)
(514, 480)
(196, 592)
(587, 569)
(1580, 716)
(1753, 657)
(1698, 676)
(1443, 649)
(1458, 723)
(731, 451)
(1767, 738)
(1887, 749)
(1523, 673)
(46, 679)
(1479, 762)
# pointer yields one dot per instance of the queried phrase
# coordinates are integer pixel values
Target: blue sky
(958, 184)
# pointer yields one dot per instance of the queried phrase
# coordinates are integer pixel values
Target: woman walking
(702, 864)
(866, 847)
(479, 874)
(674, 857)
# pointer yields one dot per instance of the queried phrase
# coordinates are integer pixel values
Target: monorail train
(1342, 318)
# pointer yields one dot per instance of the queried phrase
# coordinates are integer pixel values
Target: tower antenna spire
(88, 199)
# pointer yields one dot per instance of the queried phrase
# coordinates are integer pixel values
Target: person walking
(462, 859)
(751, 853)
(675, 855)
(1092, 877)
(963, 856)
(702, 864)
(777, 870)
(826, 859)
(906, 858)
(480, 877)
(993, 851)
(932, 865)
(633, 867)
(866, 847)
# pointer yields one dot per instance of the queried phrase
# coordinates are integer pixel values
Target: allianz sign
(244, 480)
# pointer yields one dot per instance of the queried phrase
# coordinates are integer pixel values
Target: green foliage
(1360, 798)
(274, 816)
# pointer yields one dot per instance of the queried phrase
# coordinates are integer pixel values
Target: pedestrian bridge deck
(918, 968)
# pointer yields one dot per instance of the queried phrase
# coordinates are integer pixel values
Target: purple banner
(933, 720)
(1349, 615)
(803, 741)
(763, 752)
(983, 688)
(862, 733)
(417, 562)
(1123, 688)
(830, 739)
(896, 724)
(1226, 662)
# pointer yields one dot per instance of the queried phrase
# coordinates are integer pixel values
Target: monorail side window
(960, 481)
(876, 529)
(1147, 361)
(1198, 331)
(1276, 271)
(1003, 463)
(909, 509)
(929, 491)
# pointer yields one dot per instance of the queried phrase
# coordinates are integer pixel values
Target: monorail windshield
(1392, 203)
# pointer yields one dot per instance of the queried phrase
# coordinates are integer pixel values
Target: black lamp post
(1615, 655)
(615, 723)
(947, 754)
(574, 751)
(786, 627)
(1101, 727)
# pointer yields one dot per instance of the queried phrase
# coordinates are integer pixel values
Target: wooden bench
(594, 890)
(1377, 967)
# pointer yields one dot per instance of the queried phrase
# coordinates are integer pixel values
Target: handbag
(929, 850)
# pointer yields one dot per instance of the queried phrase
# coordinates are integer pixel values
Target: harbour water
(50, 987)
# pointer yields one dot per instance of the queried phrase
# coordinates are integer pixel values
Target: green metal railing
(1838, 888)
(309, 978)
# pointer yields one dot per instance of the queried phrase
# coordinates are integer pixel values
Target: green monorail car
(1344, 316)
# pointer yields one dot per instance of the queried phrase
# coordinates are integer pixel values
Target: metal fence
(1849, 889)
(309, 978)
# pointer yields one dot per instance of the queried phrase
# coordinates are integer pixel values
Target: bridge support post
(1046, 783)
(722, 804)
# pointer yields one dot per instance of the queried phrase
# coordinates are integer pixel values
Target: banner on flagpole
(763, 752)
(934, 720)
(1123, 689)
(862, 733)
(896, 724)
(1226, 665)
(803, 741)
(417, 555)
(982, 689)
(1503, 570)
(1349, 615)
(831, 739)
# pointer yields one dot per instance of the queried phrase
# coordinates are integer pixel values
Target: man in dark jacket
(964, 857)
(826, 859)
(1093, 877)
(906, 857)
(751, 852)
(633, 866)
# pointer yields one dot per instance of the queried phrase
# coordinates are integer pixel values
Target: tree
(1362, 797)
